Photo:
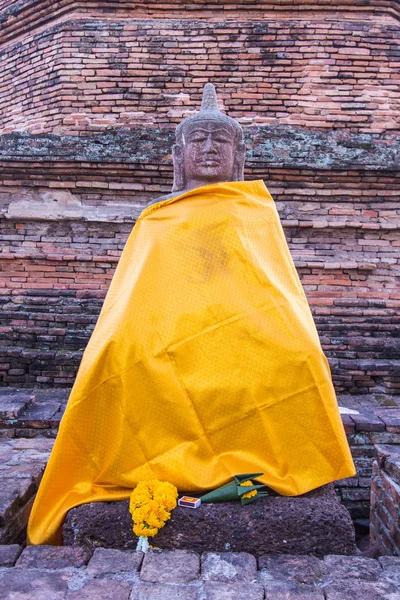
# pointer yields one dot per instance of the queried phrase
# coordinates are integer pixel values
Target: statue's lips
(210, 163)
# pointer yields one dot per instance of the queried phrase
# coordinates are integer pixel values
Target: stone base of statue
(315, 523)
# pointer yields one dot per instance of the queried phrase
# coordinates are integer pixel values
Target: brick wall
(385, 500)
(85, 75)
(56, 274)
(91, 93)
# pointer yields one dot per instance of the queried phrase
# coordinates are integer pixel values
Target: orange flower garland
(150, 505)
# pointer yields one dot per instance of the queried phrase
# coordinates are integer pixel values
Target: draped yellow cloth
(205, 362)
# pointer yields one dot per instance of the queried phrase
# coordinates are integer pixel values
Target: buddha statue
(205, 361)
(209, 148)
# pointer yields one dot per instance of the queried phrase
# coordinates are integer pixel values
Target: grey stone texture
(299, 569)
(22, 462)
(292, 591)
(166, 591)
(108, 560)
(266, 144)
(390, 562)
(391, 569)
(53, 557)
(176, 575)
(31, 413)
(102, 589)
(352, 567)
(315, 523)
(27, 584)
(228, 566)
(175, 566)
(361, 590)
(9, 554)
(12, 405)
(233, 591)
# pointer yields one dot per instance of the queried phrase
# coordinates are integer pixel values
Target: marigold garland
(150, 505)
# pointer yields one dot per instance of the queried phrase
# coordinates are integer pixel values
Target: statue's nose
(209, 145)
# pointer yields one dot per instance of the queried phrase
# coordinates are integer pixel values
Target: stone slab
(26, 584)
(175, 566)
(315, 523)
(361, 590)
(296, 569)
(12, 405)
(9, 554)
(53, 557)
(164, 592)
(13, 493)
(281, 590)
(354, 567)
(22, 463)
(102, 589)
(390, 562)
(31, 413)
(108, 560)
(228, 566)
(233, 591)
(41, 415)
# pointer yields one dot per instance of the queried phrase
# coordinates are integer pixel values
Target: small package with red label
(189, 502)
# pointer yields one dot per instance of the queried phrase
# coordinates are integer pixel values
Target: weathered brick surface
(385, 501)
(88, 127)
(91, 93)
(294, 70)
(55, 277)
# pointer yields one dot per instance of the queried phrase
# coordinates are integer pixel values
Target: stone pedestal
(315, 523)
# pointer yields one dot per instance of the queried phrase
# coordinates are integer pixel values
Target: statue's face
(208, 154)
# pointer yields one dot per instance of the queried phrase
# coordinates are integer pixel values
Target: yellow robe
(205, 362)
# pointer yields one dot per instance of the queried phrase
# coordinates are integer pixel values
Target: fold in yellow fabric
(205, 362)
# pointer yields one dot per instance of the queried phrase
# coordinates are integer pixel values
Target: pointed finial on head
(210, 114)
(209, 100)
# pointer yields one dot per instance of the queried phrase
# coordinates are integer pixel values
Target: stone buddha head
(209, 147)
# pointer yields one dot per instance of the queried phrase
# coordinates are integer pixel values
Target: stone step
(22, 463)
(58, 573)
(31, 413)
(35, 412)
(315, 523)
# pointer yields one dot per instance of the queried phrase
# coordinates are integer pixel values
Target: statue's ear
(238, 165)
(179, 168)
